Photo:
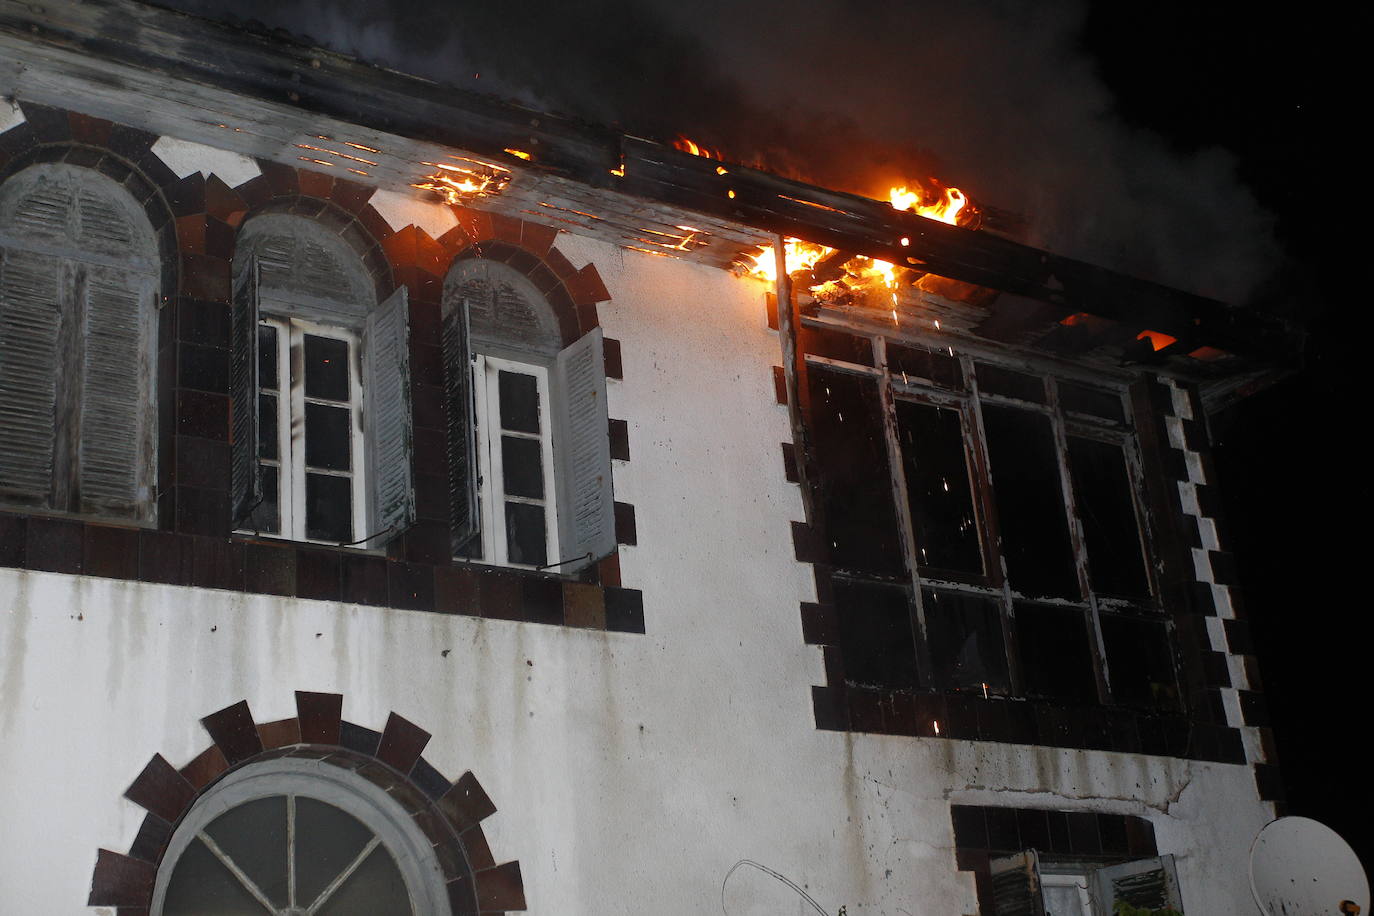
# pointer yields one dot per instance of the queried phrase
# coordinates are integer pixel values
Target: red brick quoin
(449, 813)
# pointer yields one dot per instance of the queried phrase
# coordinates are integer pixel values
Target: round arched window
(294, 836)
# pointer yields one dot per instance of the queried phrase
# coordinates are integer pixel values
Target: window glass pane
(202, 886)
(522, 466)
(835, 344)
(253, 836)
(328, 508)
(1102, 493)
(327, 434)
(853, 478)
(1139, 662)
(375, 888)
(525, 536)
(875, 634)
(327, 842)
(966, 647)
(326, 368)
(1031, 513)
(1091, 401)
(933, 457)
(1055, 659)
(267, 426)
(519, 395)
(266, 517)
(267, 357)
(910, 363)
(996, 380)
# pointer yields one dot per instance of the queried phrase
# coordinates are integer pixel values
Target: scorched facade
(374, 543)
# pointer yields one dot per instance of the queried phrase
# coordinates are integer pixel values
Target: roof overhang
(272, 97)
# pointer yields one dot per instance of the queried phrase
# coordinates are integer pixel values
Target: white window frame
(290, 431)
(491, 488)
(1075, 880)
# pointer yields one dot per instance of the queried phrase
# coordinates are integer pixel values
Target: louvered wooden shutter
(1149, 884)
(582, 450)
(30, 325)
(464, 509)
(386, 394)
(245, 476)
(1016, 885)
(116, 444)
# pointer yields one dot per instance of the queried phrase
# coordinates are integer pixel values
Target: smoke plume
(992, 96)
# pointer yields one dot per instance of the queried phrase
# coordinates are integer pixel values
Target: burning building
(410, 502)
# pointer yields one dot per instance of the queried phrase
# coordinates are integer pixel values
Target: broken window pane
(908, 363)
(996, 380)
(1140, 662)
(525, 535)
(855, 485)
(937, 481)
(835, 345)
(326, 368)
(875, 634)
(519, 398)
(1091, 401)
(1031, 513)
(1055, 659)
(966, 647)
(1103, 495)
(328, 508)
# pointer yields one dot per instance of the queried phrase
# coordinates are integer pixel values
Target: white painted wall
(629, 772)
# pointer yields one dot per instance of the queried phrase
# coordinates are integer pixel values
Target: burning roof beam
(223, 64)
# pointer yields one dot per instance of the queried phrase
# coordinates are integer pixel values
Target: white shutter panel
(46, 212)
(582, 449)
(1016, 885)
(465, 514)
(386, 394)
(1145, 884)
(103, 226)
(30, 324)
(116, 438)
(245, 474)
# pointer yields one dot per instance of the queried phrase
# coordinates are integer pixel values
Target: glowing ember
(1158, 339)
(459, 183)
(519, 154)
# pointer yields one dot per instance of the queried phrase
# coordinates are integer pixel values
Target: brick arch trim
(449, 813)
(527, 247)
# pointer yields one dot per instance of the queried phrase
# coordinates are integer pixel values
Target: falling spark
(937, 725)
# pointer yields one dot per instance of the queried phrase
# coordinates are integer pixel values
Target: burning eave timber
(272, 97)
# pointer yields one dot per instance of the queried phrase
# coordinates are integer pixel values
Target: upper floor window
(985, 526)
(1031, 883)
(321, 390)
(529, 454)
(78, 285)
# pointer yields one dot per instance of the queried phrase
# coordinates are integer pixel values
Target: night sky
(1201, 147)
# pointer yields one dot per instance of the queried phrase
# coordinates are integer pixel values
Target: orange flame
(946, 208)
(691, 146)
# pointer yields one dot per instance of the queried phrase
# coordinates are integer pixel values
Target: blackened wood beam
(278, 69)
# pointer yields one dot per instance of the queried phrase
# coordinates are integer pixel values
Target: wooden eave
(272, 97)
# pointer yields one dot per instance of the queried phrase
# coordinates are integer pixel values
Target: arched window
(320, 382)
(529, 457)
(78, 282)
(291, 836)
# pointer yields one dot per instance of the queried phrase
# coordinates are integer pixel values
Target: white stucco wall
(629, 772)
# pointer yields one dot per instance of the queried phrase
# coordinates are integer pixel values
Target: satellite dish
(1300, 867)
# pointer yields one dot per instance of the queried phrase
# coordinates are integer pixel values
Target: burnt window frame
(964, 396)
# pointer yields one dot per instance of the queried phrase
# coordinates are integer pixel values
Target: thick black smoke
(993, 96)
